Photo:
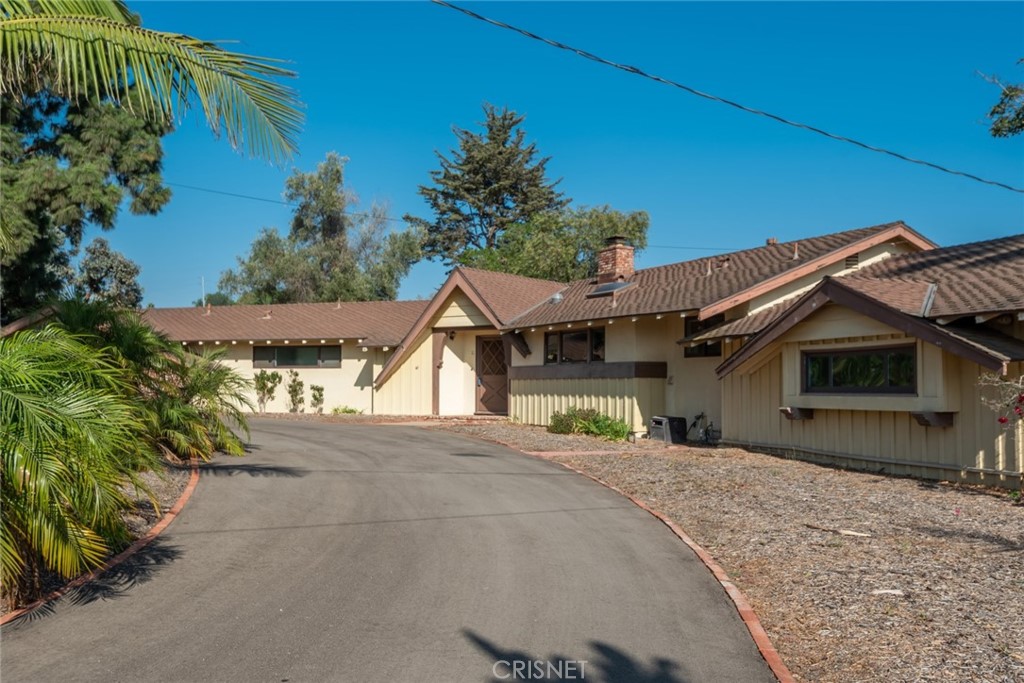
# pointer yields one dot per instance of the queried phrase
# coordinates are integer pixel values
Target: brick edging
(136, 546)
(746, 612)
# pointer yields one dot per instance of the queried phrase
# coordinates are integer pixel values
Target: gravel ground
(929, 586)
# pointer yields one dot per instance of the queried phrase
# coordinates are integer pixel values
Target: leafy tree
(492, 182)
(295, 388)
(560, 246)
(316, 398)
(214, 299)
(331, 253)
(66, 165)
(108, 276)
(1008, 113)
(98, 50)
(85, 94)
(266, 384)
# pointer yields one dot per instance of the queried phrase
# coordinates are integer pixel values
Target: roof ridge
(504, 274)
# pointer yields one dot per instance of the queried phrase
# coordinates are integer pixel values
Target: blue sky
(383, 84)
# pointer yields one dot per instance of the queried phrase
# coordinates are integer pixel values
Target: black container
(668, 429)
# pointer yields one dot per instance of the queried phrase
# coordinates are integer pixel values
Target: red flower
(1003, 419)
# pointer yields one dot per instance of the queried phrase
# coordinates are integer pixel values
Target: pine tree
(491, 182)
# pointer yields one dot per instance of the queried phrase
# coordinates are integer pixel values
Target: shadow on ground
(232, 469)
(113, 583)
(603, 663)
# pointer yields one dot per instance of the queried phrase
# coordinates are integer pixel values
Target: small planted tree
(296, 387)
(316, 400)
(1005, 395)
(266, 384)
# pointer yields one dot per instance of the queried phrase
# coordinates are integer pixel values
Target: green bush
(588, 421)
(345, 410)
(316, 402)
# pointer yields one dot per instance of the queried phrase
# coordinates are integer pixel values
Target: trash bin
(668, 429)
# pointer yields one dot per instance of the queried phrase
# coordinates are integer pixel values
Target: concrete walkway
(385, 553)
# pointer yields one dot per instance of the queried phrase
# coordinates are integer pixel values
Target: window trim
(884, 351)
(590, 346)
(319, 356)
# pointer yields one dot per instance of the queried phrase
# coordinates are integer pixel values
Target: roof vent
(266, 316)
(796, 250)
(771, 241)
(852, 262)
(556, 298)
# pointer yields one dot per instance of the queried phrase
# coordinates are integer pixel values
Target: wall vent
(852, 262)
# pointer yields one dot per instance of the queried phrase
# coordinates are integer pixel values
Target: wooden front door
(491, 376)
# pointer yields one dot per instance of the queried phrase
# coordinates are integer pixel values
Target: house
(339, 346)
(610, 342)
(880, 368)
(444, 356)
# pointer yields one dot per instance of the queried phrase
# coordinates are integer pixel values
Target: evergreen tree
(109, 276)
(562, 245)
(492, 182)
(65, 165)
(331, 253)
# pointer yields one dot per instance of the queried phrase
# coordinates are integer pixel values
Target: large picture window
(574, 346)
(296, 356)
(861, 371)
(694, 326)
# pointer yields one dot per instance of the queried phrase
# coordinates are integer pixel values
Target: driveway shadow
(232, 469)
(113, 583)
(605, 663)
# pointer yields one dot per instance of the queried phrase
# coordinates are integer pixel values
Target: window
(296, 356)
(861, 371)
(694, 326)
(576, 346)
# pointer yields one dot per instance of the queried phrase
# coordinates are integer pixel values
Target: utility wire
(396, 220)
(693, 91)
(269, 201)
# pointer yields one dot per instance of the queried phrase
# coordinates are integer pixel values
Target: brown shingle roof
(742, 327)
(694, 285)
(979, 277)
(509, 295)
(378, 323)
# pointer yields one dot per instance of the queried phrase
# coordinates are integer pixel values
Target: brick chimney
(615, 261)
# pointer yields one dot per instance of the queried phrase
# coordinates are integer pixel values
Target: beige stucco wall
(458, 372)
(350, 385)
(872, 432)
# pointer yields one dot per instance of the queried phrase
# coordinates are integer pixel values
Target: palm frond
(87, 55)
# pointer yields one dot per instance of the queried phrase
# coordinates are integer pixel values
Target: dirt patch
(856, 577)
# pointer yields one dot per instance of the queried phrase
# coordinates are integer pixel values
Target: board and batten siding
(631, 399)
(869, 433)
(408, 390)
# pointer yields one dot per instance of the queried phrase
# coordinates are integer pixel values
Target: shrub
(316, 401)
(588, 421)
(266, 383)
(295, 388)
(345, 410)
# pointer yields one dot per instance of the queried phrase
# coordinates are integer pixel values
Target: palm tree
(67, 437)
(98, 49)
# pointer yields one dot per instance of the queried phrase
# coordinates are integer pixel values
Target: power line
(269, 201)
(399, 220)
(693, 91)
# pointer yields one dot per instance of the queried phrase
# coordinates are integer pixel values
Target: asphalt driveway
(386, 553)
